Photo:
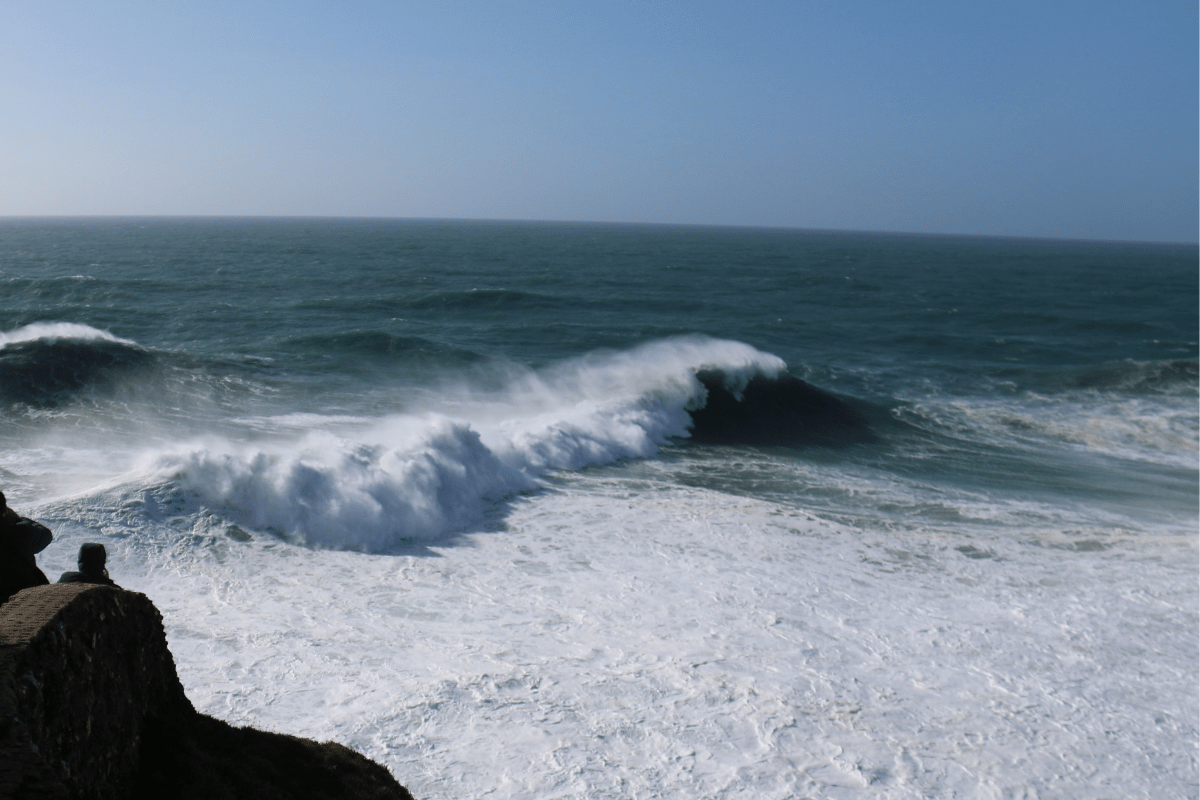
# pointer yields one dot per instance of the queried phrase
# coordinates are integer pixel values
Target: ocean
(551, 510)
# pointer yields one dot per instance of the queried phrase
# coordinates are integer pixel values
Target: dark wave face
(777, 412)
(50, 373)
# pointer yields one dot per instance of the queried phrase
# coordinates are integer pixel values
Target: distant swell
(776, 412)
(491, 301)
(380, 347)
(1134, 377)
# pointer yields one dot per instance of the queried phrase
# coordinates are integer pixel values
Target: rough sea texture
(477, 499)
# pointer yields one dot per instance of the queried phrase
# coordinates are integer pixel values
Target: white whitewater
(617, 638)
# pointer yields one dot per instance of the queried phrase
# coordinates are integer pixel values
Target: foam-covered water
(603, 511)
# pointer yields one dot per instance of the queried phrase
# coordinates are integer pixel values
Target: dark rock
(91, 707)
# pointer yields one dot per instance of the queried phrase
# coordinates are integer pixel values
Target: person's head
(92, 557)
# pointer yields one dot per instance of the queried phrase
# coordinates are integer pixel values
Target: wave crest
(51, 331)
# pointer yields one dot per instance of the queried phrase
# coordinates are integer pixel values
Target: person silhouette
(91, 567)
(20, 540)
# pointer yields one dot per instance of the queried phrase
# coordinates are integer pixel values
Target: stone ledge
(91, 707)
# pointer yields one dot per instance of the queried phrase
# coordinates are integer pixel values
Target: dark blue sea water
(395, 389)
(1003, 366)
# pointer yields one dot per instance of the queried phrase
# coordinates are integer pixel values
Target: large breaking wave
(380, 483)
(376, 484)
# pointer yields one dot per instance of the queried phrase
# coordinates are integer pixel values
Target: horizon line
(530, 221)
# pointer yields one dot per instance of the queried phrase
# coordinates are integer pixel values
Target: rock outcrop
(91, 707)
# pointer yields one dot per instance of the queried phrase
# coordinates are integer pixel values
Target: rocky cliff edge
(91, 707)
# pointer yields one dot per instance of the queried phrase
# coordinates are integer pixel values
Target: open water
(595, 511)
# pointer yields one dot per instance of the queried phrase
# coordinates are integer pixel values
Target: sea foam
(420, 474)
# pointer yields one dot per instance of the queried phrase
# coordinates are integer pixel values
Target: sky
(1052, 118)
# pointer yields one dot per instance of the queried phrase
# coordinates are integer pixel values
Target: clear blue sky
(1046, 118)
